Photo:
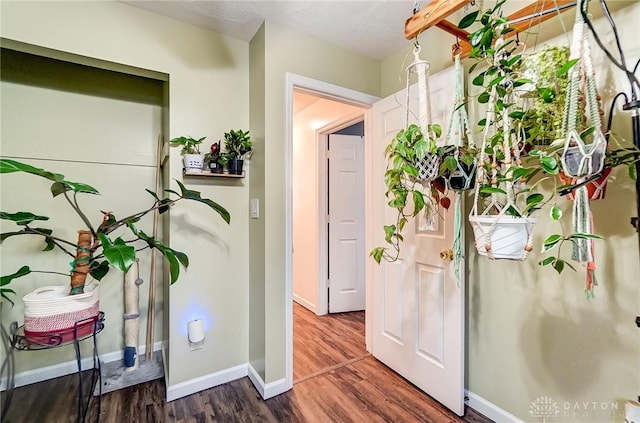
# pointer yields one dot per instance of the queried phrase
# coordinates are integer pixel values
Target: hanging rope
(491, 219)
(428, 165)
(461, 178)
(581, 160)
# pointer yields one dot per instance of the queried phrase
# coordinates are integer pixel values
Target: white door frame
(322, 303)
(331, 91)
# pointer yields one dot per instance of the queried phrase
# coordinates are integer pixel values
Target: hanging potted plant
(98, 248)
(405, 186)
(237, 147)
(193, 159)
(503, 204)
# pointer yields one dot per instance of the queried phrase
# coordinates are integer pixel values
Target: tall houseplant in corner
(111, 242)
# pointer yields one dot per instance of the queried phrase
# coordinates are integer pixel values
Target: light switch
(254, 208)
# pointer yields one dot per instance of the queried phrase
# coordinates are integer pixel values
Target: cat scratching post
(131, 316)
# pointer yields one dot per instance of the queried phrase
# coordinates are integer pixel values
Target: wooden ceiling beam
(430, 15)
(436, 13)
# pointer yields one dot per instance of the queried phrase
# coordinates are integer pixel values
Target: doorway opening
(354, 106)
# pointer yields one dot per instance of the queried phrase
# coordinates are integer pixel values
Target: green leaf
(22, 218)
(475, 37)
(495, 81)
(153, 194)
(534, 198)
(450, 163)
(418, 202)
(555, 213)
(478, 80)
(549, 164)
(546, 261)
(473, 67)
(487, 38)
(492, 190)
(99, 270)
(551, 241)
(584, 236)
(4, 292)
(401, 223)
(195, 196)
(23, 271)
(584, 134)
(468, 20)
(377, 253)
(389, 232)
(118, 253)
(520, 82)
(547, 94)
(565, 68)
(559, 265)
(516, 115)
(483, 97)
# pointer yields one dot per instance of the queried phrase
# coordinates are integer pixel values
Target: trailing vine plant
(409, 146)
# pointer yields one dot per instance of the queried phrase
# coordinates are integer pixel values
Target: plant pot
(235, 166)
(463, 177)
(577, 163)
(596, 189)
(502, 237)
(428, 167)
(193, 161)
(52, 316)
(215, 167)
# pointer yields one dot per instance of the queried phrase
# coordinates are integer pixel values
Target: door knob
(446, 254)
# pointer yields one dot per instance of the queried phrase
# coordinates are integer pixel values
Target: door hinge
(328, 283)
(328, 218)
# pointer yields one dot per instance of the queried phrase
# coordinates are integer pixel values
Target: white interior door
(346, 223)
(417, 308)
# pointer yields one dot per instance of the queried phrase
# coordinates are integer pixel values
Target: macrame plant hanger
(580, 160)
(459, 135)
(427, 166)
(494, 232)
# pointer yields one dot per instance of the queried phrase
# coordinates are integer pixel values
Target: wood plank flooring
(335, 380)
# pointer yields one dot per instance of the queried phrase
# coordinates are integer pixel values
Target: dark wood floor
(335, 380)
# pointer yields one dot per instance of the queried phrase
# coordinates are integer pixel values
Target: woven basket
(50, 310)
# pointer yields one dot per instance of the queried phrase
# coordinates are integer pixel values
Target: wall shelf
(207, 174)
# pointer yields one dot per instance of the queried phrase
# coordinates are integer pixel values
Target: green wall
(532, 333)
(208, 95)
(289, 51)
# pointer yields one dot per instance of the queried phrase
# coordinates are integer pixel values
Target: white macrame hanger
(484, 233)
(579, 159)
(427, 166)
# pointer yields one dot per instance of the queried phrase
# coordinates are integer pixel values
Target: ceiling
(372, 28)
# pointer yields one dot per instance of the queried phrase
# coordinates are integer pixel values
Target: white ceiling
(372, 28)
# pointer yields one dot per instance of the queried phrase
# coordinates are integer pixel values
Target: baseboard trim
(267, 390)
(304, 303)
(201, 383)
(489, 409)
(69, 367)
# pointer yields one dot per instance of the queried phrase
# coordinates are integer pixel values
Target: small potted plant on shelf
(193, 159)
(99, 247)
(212, 158)
(237, 147)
